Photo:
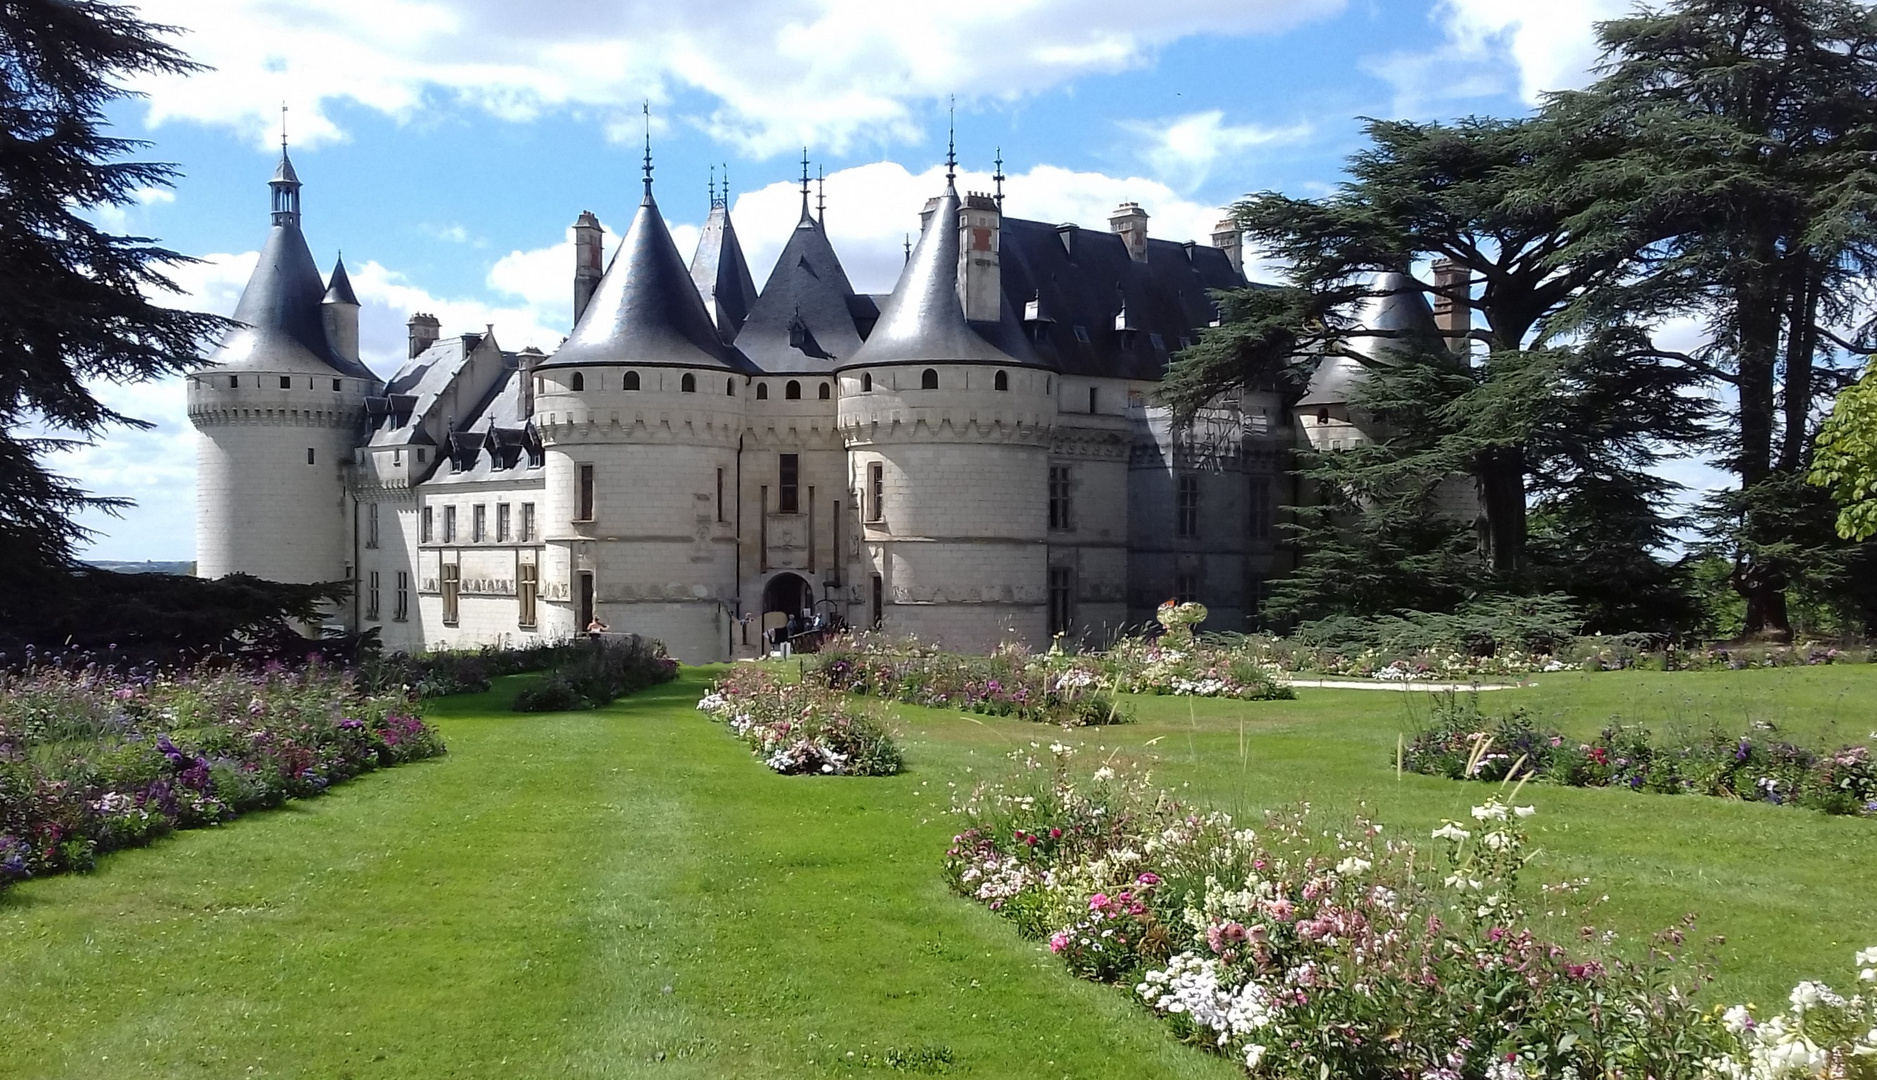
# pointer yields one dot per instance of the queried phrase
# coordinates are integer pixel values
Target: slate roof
(1396, 304)
(1132, 315)
(497, 440)
(923, 321)
(808, 318)
(646, 310)
(339, 286)
(722, 275)
(280, 307)
(397, 417)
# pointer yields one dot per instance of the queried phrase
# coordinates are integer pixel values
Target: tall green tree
(1546, 402)
(74, 299)
(1748, 126)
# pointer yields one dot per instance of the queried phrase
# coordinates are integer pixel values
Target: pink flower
(1149, 878)
(1058, 941)
(1098, 901)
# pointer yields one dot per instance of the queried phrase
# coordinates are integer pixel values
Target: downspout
(738, 598)
(358, 569)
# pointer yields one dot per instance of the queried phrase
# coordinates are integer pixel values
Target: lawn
(628, 892)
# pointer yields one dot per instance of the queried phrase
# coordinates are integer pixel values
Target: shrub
(594, 674)
(801, 727)
(92, 760)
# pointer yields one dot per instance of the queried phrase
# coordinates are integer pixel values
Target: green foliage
(73, 307)
(598, 673)
(1487, 627)
(1845, 461)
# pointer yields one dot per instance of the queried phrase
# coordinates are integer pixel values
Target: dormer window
(578, 382)
(630, 381)
(792, 390)
(688, 384)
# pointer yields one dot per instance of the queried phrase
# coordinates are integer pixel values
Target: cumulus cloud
(773, 73)
(1498, 46)
(1183, 150)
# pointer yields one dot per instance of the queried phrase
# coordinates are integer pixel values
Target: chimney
(1226, 237)
(424, 330)
(1454, 317)
(525, 362)
(587, 268)
(1129, 222)
(980, 288)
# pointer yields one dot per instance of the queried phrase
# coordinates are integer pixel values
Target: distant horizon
(448, 161)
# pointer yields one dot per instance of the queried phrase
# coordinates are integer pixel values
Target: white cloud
(1184, 150)
(131, 215)
(776, 73)
(1552, 44)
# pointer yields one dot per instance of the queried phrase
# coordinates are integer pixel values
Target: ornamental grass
(94, 760)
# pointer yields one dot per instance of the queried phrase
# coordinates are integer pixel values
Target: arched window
(729, 387)
(866, 382)
(762, 391)
(579, 381)
(1002, 381)
(824, 394)
(792, 390)
(928, 379)
(688, 384)
(630, 382)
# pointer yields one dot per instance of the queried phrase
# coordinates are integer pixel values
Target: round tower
(948, 443)
(278, 412)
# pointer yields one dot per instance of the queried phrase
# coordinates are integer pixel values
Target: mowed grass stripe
(619, 893)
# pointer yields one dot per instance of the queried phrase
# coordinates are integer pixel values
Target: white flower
(1451, 831)
(1352, 866)
(1525, 811)
(1253, 1055)
(1737, 1019)
(1104, 773)
(1868, 956)
(1490, 812)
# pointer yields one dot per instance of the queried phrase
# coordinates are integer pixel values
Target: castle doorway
(790, 594)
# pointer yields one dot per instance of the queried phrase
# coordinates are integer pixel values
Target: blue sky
(446, 145)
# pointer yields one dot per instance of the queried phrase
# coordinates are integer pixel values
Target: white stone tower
(948, 417)
(278, 413)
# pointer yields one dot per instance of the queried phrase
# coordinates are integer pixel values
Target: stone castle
(975, 456)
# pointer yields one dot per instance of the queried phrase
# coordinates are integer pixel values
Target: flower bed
(1009, 682)
(92, 761)
(1305, 953)
(801, 727)
(1757, 766)
(591, 674)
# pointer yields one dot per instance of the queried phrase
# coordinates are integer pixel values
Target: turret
(339, 312)
(278, 411)
(720, 272)
(588, 270)
(1227, 237)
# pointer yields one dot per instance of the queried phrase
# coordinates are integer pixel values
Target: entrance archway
(791, 594)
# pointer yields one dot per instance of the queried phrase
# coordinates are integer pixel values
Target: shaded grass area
(628, 892)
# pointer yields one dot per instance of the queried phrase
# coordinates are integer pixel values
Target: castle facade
(973, 457)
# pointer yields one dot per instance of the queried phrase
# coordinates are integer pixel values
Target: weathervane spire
(804, 183)
(951, 144)
(646, 108)
(283, 127)
(998, 178)
(711, 187)
(821, 198)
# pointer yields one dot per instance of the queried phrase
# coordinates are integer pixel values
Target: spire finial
(951, 144)
(821, 198)
(283, 128)
(711, 187)
(908, 247)
(725, 188)
(998, 179)
(646, 108)
(804, 183)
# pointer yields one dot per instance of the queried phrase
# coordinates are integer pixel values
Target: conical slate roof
(283, 172)
(646, 309)
(339, 286)
(1396, 304)
(283, 331)
(722, 275)
(923, 322)
(804, 319)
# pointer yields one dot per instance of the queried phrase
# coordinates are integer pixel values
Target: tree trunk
(1499, 481)
(1758, 296)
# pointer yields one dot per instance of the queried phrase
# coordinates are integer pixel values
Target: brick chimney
(424, 330)
(587, 267)
(1454, 318)
(1226, 237)
(980, 288)
(1129, 222)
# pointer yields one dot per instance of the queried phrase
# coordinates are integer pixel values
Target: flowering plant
(1822, 1033)
(801, 727)
(1305, 952)
(94, 760)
